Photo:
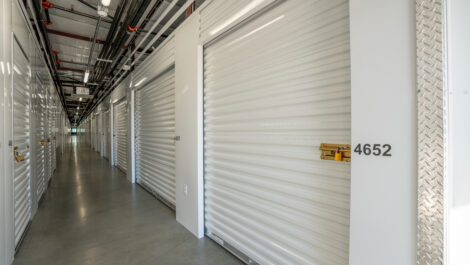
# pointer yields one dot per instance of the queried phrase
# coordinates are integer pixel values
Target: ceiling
(70, 34)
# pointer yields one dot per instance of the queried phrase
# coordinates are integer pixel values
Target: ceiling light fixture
(105, 2)
(102, 10)
(85, 78)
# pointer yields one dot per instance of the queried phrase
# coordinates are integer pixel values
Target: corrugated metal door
(274, 89)
(155, 132)
(41, 138)
(21, 76)
(120, 135)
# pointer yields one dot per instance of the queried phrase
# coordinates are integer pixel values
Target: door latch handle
(18, 157)
(177, 138)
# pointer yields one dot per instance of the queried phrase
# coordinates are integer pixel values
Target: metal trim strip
(432, 116)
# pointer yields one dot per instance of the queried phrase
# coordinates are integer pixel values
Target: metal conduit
(93, 43)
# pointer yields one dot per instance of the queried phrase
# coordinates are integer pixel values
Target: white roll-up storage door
(155, 132)
(276, 88)
(41, 138)
(21, 75)
(120, 135)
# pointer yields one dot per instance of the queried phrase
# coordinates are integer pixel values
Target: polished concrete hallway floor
(92, 215)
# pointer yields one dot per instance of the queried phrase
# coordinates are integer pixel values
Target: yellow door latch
(337, 152)
(18, 157)
(43, 143)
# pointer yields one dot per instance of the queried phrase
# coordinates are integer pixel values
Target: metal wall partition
(275, 88)
(433, 131)
(155, 137)
(21, 78)
(120, 134)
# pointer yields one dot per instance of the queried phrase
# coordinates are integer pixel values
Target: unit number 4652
(373, 149)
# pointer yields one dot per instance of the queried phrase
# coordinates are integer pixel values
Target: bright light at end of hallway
(82, 212)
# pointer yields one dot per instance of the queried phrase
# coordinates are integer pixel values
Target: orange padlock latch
(338, 155)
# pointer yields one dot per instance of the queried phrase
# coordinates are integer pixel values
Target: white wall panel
(459, 129)
(274, 90)
(383, 79)
(188, 125)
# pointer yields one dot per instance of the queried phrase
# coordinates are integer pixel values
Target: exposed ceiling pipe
(93, 45)
(162, 16)
(165, 27)
(140, 24)
(162, 30)
(72, 62)
(70, 69)
(117, 21)
(68, 10)
(44, 41)
(111, 50)
(88, 4)
(91, 6)
(73, 36)
(114, 65)
(135, 11)
(48, 18)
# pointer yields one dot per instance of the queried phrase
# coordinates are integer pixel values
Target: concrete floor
(92, 215)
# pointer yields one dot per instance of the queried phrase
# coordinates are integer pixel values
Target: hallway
(92, 215)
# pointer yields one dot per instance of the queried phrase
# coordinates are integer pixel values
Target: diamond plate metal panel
(432, 130)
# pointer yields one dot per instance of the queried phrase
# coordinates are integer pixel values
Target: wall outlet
(185, 189)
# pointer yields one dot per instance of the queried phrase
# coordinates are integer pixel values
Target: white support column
(188, 125)
(112, 133)
(383, 91)
(131, 139)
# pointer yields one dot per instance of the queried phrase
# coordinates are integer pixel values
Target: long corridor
(93, 215)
